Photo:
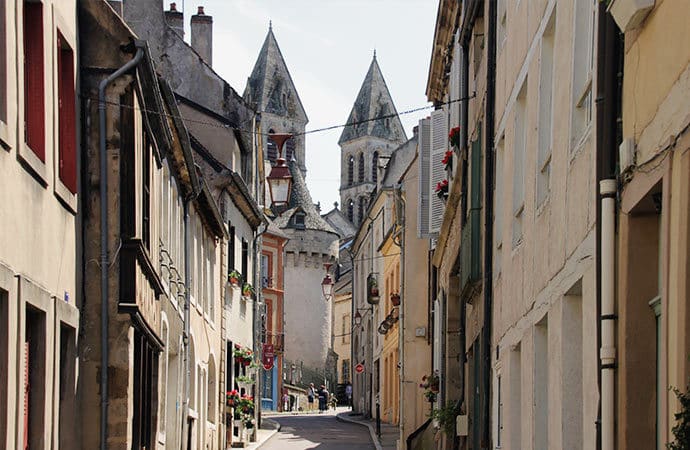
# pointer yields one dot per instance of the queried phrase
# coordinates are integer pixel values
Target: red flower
(454, 136)
(447, 158)
(442, 186)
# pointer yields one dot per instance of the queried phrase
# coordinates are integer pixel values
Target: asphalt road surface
(322, 432)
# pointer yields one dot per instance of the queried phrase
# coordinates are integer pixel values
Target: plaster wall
(342, 337)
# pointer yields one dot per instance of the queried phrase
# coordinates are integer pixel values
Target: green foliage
(445, 416)
(681, 430)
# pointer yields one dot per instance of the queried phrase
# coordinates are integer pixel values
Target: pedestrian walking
(333, 401)
(323, 398)
(348, 394)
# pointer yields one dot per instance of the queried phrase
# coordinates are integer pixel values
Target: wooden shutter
(67, 116)
(26, 395)
(34, 91)
(437, 172)
(424, 151)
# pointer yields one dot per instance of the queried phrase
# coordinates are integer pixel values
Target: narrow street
(315, 431)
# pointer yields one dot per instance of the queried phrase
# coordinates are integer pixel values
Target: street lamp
(327, 284)
(280, 180)
(358, 319)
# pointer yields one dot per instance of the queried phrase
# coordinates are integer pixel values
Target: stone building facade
(365, 143)
(41, 205)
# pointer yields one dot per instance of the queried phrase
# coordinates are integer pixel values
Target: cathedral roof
(270, 87)
(374, 100)
(301, 202)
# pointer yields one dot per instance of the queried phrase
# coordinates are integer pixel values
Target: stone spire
(374, 100)
(270, 86)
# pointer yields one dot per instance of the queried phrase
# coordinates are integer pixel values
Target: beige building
(651, 343)
(41, 204)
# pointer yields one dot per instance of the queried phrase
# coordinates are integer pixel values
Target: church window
(290, 148)
(271, 148)
(375, 167)
(361, 208)
(360, 167)
(350, 170)
(351, 210)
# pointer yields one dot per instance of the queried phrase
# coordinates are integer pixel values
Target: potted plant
(442, 189)
(445, 417)
(232, 398)
(372, 289)
(430, 384)
(243, 356)
(234, 278)
(447, 160)
(395, 299)
(244, 381)
(247, 290)
(454, 137)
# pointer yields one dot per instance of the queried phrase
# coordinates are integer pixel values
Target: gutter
(488, 222)
(105, 265)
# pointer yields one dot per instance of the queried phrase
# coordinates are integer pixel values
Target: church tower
(271, 92)
(374, 130)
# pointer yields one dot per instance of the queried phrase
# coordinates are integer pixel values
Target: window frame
(4, 91)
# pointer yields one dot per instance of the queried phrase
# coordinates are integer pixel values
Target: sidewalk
(389, 433)
(263, 434)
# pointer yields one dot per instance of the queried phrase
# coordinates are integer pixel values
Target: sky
(328, 46)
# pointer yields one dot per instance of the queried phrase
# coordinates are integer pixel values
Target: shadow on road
(322, 432)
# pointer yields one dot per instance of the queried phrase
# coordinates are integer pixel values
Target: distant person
(286, 402)
(323, 398)
(333, 401)
(311, 393)
(348, 394)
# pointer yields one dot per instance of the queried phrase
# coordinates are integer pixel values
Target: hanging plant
(232, 398)
(245, 410)
(447, 160)
(234, 278)
(430, 384)
(442, 189)
(243, 356)
(681, 430)
(454, 137)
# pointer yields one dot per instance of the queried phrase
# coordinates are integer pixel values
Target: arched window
(290, 148)
(375, 167)
(212, 390)
(361, 167)
(351, 210)
(350, 170)
(361, 208)
(271, 148)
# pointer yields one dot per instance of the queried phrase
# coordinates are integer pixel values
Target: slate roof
(399, 161)
(270, 78)
(300, 199)
(374, 100)
(340, 223)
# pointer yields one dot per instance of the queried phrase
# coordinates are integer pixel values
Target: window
(290, 148)
(271, 148)
(583, 62)
(34, 377)
(519, 163)
(361, 208)
(67, 153)
(360, 168)
(34, 89)
(145, 393)
(3, 65)
(4, 361)
(231, 248)
(298, 220)
(211, 399)
(146, 194)
(375, 167)
(541, 384)
(350, 170)
(346, 329)
(498, 203)
(515, 391)
(163, 382)
(351, 210)
(499, 412)
(245, 260)
(501, 28)
(265, 274)
(545, 109)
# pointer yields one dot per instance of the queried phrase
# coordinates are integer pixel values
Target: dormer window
(298, 220)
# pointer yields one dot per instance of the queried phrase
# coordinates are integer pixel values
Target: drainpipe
(401, 315)
(608, 312)
(258, 304)
(105, 263)
(488, 221)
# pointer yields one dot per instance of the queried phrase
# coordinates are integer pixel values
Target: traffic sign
(359, 368)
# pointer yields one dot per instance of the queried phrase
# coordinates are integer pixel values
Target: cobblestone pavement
(316, 431)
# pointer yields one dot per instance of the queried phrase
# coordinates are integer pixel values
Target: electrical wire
(316, 130)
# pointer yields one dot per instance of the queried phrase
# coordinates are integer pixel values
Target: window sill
(66, 197)
(32, 163)
(543, 206)
(580, 143)
(4, 136)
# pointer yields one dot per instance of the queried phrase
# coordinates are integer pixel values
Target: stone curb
(276, 428)
(372, 432)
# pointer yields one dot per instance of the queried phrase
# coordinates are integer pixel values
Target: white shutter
(424, 150)
(437, 172)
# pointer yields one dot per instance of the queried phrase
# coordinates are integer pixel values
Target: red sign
(359, 368)
(267, 356)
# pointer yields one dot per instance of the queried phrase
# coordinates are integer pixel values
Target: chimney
(175, 19)
(202, 34)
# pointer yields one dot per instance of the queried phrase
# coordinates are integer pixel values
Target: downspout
(105, 263)
(488, 221)
(401, 315)
(608, 311)
(258, 302)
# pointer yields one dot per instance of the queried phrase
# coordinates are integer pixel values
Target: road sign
(267, 356)
(359, 368)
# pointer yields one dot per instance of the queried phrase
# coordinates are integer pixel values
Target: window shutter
(437, 172)
(67, 116)
(26, 394)
(34, 96)
(424, 150)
